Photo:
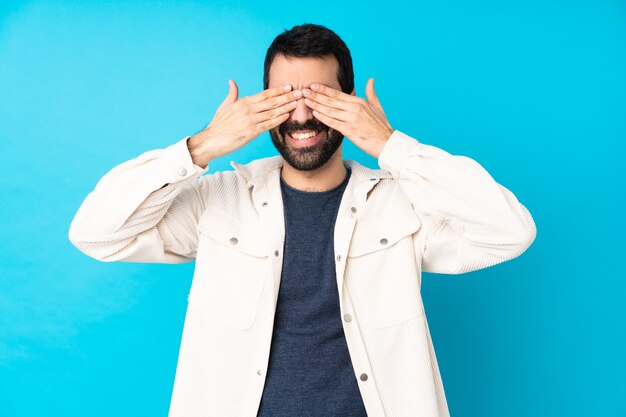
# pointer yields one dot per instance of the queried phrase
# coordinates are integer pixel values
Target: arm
(144, 210)
(147, 209)
(470, 221)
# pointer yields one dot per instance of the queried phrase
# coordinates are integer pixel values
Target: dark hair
(310, 40)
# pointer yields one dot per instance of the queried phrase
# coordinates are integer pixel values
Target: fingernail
(287, 87)
(315, 86)
(297, 94)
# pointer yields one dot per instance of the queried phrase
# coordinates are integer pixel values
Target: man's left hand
(362, 121)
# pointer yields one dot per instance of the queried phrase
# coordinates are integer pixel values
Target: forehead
(300, 72)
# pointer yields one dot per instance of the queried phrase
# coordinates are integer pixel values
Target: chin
(308, 158)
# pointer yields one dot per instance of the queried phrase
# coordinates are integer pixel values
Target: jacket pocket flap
(226, 229)
(377, 235)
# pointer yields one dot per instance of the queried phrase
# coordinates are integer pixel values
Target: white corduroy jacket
(424, 210)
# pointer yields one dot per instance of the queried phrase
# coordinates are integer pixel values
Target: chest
(369, 243)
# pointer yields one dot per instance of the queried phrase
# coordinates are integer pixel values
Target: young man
(305, 299)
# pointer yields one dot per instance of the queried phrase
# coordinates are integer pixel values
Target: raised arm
(147, 209)
(469, 220)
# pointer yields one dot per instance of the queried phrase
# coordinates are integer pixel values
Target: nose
(301, 113)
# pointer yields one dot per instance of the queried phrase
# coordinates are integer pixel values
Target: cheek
(279, 135)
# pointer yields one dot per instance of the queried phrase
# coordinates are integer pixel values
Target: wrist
(198, 149)
(380, 143)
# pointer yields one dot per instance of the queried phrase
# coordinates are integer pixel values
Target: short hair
(311, 40)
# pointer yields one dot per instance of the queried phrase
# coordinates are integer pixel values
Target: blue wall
(534, 91)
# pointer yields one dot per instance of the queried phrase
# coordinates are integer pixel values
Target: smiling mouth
(300, 139)
(303, 134)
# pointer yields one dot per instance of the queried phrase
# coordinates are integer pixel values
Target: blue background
(533, 90)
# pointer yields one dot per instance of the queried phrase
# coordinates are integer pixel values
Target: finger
(371, 93)
(329, 101)
(372, 97)
(270, 124)
(233, 93)
(335, 113)
(331, 92)
(277, 101)
(329, 121)
(269, 93)
(271, 113)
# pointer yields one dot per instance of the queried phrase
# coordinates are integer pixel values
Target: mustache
(289, 127)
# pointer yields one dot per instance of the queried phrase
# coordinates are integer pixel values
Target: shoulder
(230, 190)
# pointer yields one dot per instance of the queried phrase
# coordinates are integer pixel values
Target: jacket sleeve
(144, 210)
(469, 220)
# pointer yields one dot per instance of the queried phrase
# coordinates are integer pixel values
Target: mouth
(303, 138)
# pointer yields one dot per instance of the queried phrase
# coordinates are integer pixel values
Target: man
(305, 299)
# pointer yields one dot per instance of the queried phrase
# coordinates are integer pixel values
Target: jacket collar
(260, 168)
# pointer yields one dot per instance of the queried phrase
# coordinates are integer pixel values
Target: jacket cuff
(180, 166)
(396, 151)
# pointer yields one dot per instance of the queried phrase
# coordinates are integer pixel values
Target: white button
(383, 241)
(363, 377)
(182, 171)
(258, 372)
(347, 317)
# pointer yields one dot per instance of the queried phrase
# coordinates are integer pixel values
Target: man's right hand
(238, 121)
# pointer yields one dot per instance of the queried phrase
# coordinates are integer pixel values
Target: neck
(324, 178)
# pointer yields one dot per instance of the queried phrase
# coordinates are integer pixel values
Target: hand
(238, 121)
(362, 121)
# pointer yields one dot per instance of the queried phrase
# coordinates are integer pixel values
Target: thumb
(371, 94)
(233, 93)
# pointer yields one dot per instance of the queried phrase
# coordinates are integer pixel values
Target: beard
(311, 157)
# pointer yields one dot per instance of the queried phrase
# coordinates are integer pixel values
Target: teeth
(301, 136)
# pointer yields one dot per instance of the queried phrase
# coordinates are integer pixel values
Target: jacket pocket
(383, 272)
(232, 266)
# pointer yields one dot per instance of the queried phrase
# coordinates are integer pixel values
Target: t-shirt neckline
(290, 188)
